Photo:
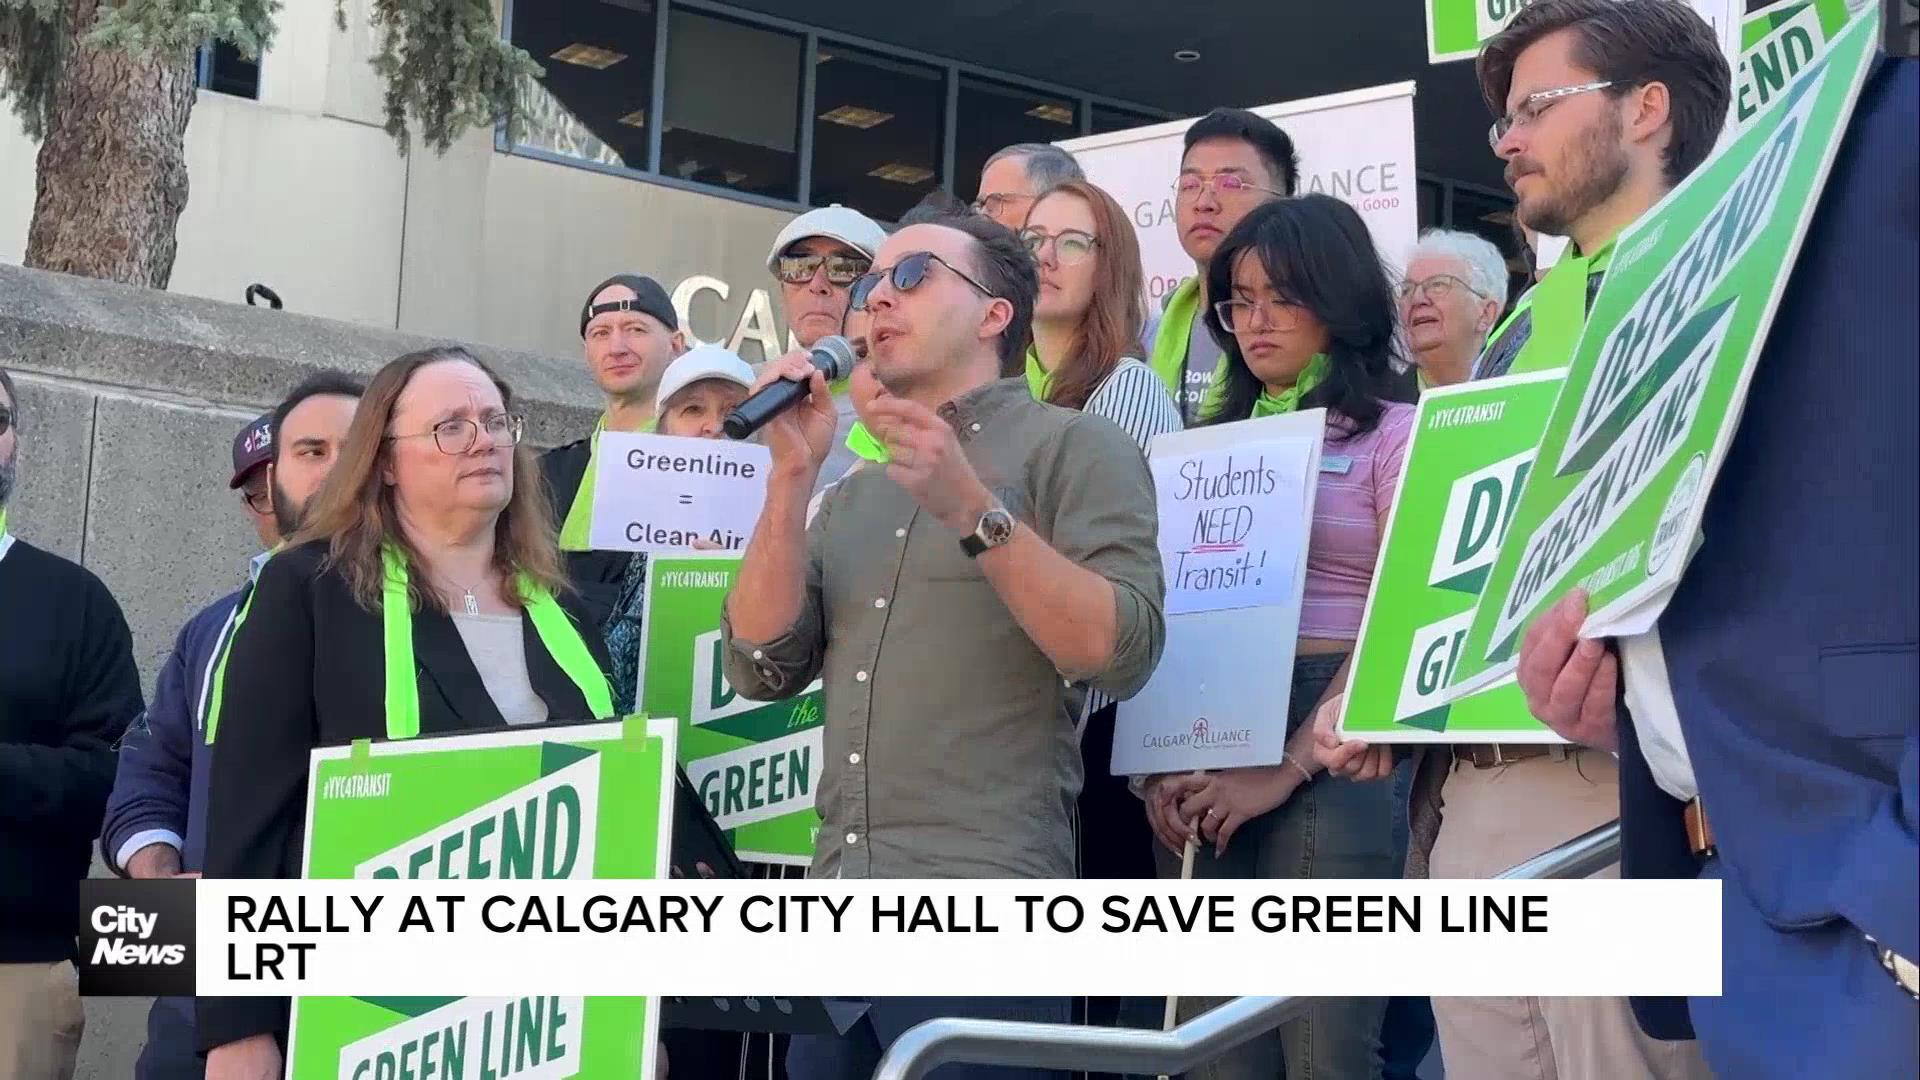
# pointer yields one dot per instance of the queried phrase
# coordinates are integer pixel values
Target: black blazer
(307, 668)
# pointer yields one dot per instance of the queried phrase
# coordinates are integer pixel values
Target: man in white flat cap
(816, 259)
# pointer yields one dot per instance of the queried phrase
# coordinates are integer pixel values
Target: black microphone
(832, 356)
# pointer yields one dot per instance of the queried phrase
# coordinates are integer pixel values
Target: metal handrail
(951, 1040)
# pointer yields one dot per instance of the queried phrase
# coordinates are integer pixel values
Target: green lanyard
(1170, 341)
(5, 540)
(550, 623)
(573, 531)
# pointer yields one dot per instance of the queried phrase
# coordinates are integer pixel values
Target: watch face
(996, 527)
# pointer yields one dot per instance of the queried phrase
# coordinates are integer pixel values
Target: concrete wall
(303, 191)
(129, 400)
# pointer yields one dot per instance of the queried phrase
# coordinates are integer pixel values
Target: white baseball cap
(836, 222)
(698, 364)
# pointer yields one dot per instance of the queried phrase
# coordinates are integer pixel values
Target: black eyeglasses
(6, 421)
(459, 435)
(906, 276)
(260, 502)
(842, 270)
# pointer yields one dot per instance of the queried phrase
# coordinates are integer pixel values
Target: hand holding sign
(1569, 683)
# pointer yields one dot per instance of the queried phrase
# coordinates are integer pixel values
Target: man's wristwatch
(995, 529)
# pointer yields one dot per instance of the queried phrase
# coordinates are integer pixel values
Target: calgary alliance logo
(1203, 735)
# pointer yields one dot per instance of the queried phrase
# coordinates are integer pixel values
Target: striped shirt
(1358, 479)
(1135, 399)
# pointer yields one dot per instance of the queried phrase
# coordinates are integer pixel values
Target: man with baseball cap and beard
(630, 334)
(817, 258)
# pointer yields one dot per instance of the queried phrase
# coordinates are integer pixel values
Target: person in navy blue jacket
(1780, 755)
(155, 823)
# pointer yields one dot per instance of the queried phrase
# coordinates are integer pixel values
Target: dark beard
(286, 516)
(1593, 170)
(9, 472)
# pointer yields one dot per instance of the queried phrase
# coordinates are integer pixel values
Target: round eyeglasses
(460, 435)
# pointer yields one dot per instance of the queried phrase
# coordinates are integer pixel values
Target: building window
(994, 115)
(1107, 118)
(733, 105)
(878, 128)
(1430, 203)
(224, 71)
(593, 100)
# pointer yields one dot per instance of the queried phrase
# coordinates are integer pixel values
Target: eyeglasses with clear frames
(1070, 246)
(1277, 313)
(1222, 184)
(459, 435)
(1536, 103)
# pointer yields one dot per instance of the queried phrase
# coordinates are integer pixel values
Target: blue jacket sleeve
(152, 781)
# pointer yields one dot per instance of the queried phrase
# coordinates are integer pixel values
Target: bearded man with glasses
(995, 550)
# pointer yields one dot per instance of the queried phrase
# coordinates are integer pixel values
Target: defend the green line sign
(754, 763)
(564, 802)
(1471, 449)
(1655, 387)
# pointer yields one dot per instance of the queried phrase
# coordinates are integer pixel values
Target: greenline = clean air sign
(575, 802)
(1471, 450)
(1655, 387)
(754, 763)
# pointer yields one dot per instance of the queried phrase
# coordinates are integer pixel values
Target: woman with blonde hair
(423, 596)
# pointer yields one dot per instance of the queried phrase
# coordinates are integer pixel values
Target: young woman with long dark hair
(1305, 317)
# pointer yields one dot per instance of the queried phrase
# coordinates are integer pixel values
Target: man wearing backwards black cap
(631, 334)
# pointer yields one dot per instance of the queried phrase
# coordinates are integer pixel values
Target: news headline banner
(663, 493)
(1235, 510)
(868, 938)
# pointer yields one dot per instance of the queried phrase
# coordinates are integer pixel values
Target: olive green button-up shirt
(950, 746)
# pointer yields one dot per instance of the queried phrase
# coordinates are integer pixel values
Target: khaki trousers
(1493, 819)
(40, 1020)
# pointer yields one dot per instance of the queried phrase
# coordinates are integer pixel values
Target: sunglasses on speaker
(906, 276)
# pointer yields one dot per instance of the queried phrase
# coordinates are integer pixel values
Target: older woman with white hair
(1453, 293)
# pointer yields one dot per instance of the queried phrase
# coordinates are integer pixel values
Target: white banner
(661, 493)
(1356, 145)
(962, 938)
(1235, 513)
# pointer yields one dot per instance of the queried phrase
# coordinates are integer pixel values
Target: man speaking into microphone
(1004, 549)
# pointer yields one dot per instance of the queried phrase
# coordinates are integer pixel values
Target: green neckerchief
(865, 446)
(1169, 358)
(1559, 305)
(579, 522)
(1039, 379)
(1288, 400)
(556, 632)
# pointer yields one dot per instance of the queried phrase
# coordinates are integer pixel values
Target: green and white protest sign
(1775, 43)
(754, 763)
(1655, 387)
(592, 801)
(1471, 450)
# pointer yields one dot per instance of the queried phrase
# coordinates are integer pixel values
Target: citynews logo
(136, 937)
